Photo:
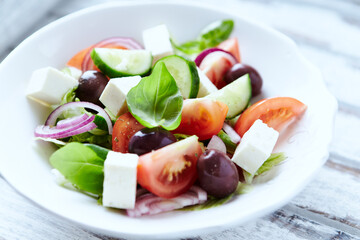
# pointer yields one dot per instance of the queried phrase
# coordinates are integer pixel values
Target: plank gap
(349, 108)
(346, 225)
(344, 164)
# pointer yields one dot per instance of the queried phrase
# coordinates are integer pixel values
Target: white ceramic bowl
(24, 162)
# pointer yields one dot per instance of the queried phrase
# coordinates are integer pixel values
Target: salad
(163, 126)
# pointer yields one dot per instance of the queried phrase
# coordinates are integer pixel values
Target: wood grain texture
(328, 34)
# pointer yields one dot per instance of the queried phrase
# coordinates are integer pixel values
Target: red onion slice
(51, 120)
(149, 204)
(206, 52)
(71, 121)
(217, 144)
(51, 132)
(234, 136)
(126, 42)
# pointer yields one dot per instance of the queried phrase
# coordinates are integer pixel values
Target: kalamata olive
(91, 85)
(149, 139)
(240, 69)
(217, 174)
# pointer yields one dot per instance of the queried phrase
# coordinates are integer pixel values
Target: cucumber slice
(185, 74)
(120, 63)
(235, 95)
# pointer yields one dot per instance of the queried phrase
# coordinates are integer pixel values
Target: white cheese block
(157, 40)
(206, 86)
(48, 85)
(255, 147)
(114, 94)
(120, 180)
(72, 72)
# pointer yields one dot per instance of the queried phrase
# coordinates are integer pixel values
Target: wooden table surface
(328, 34)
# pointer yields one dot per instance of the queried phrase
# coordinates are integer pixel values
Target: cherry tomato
(202, 117)
(125, 127)
(171, 170)
(276, 112)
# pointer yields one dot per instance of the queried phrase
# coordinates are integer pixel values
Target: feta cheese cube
(205, 86)
(48, 85)
(255, 147)
(114, 95)
(120, 180)
(157, 40)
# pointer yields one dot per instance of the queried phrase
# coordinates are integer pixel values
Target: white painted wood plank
(16, 16)
(334, 194)
(342, 75)
(21, 219)
(346, 136)
(322, 26)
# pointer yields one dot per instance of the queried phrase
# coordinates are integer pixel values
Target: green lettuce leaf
(242, 188)
(87, 137)
(272, 161)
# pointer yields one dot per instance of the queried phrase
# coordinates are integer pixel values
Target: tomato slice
(202, 117)
(276, 112)
(77, 59)
(231, 45)
(171, 170)
(215, 65)
(125, 127)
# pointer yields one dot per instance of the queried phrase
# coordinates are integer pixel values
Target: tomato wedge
(125, 127)
(202, 117)
(171, 170)
(215, 65)
(77, 59)
(276, 112)
(231, 45)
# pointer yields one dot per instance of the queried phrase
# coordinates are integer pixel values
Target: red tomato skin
(215, 69)
(231, 45)
(125, 127)
(202, 117)
(277, 112)
(153, 169)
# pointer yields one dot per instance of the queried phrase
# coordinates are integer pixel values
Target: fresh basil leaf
(216, 33)
(100, 151)
(210, 36)
(81, 166)
(156, 100)
(188, 50)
